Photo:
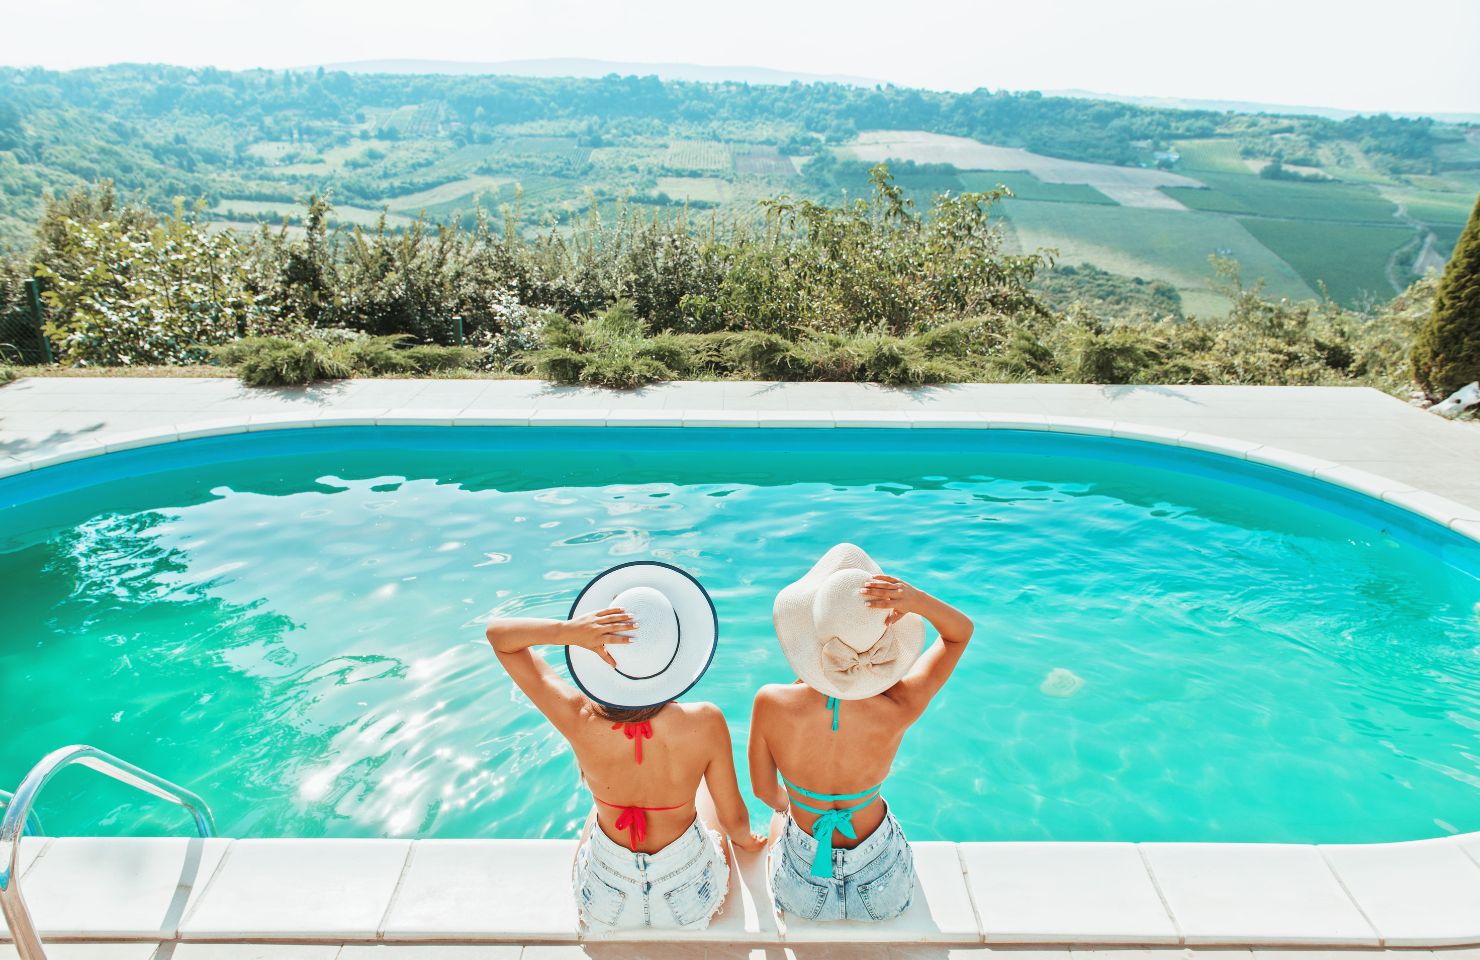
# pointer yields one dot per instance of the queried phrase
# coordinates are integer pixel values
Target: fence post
(33, 292)
(459, 322)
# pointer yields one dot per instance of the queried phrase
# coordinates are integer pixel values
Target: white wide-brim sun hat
(836, 643)
(673, 644)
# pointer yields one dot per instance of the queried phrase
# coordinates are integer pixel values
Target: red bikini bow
(634, 821)
(635, 732)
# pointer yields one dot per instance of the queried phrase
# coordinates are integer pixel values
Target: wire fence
(21, 340)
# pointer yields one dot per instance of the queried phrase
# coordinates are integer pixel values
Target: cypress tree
(1446, 352)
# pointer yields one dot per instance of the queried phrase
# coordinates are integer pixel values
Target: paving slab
(1255, 893)
(1065, 893)
(298, 889)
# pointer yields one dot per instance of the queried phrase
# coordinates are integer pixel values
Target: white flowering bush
(510, 330)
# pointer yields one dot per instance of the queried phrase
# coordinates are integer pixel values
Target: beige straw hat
(837, 644)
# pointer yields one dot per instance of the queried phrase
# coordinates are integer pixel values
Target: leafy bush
(7, 374)
(874, 265)
(124, 289)
(1446, 353)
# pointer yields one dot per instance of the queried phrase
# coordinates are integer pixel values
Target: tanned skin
(690, 746)
(791, 727)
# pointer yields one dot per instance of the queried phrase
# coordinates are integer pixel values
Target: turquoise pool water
(1170, 645)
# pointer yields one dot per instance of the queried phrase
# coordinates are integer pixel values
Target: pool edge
(1432, 507)
(1412, 894)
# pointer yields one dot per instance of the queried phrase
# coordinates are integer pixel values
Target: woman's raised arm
(511, 638)
(934, 667)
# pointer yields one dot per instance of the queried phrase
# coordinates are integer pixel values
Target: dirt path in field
(1394, 270)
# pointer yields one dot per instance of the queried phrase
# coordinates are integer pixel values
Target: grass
(1349, 258)
(1170, 245)
(1249, 195)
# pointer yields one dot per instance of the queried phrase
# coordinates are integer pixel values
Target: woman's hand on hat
(596, 631)
(885, 592)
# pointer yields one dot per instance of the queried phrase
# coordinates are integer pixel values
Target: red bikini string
(636, 732)
(634, 820)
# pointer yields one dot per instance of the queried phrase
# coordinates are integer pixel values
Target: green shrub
(611, 349)
(7, 374)
(1446, 353)
(280, 361)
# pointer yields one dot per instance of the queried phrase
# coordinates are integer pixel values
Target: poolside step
(1419, 894)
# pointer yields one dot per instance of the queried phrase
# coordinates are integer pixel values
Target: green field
(460, 191)
(1170, 245)
(1349, 258)
(1209, 156)
(274, 211)
(1025, 186)
(1251, 195)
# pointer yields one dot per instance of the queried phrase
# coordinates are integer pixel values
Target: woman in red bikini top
(662, 773)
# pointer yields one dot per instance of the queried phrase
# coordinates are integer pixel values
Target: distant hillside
(590, 69)
(1250, 106)
(1304, 203)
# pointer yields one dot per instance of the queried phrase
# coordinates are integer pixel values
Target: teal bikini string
(832, 704)
(829, 821)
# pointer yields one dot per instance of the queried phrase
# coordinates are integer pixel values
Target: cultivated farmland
(1170, 245)
(1350, 259)
(698, 155)
(464, 189)
(879, 145)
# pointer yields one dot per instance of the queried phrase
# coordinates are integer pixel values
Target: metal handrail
(33, 823)
(12, 826)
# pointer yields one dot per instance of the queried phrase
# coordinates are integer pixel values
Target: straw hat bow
(835, 642)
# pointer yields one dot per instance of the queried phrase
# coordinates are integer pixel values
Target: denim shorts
(678, 888)
(873, 881)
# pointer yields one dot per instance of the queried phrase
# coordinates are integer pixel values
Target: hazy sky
(1416, 55)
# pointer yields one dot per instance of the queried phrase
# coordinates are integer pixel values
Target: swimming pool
(1170, 644)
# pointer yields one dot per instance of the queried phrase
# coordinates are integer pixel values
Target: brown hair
(629, 714)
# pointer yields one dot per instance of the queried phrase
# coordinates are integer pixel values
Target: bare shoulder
(702, 715)
(775, 693)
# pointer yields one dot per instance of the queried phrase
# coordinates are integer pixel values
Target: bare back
(796, 726)
(673, 765)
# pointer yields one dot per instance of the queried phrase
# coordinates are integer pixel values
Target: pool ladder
(19, 821)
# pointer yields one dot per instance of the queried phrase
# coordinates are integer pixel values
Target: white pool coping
(1400, 895)
(1461, 517)
(1416, 894)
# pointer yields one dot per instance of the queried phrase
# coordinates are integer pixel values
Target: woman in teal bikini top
(850, 633)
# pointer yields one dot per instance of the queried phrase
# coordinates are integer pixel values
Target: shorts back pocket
(600, 902)
(694, 899)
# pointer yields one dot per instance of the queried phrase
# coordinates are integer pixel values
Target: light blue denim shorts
(873, 881)
(679, 887)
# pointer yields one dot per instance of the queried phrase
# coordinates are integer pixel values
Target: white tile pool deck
(96, 899)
